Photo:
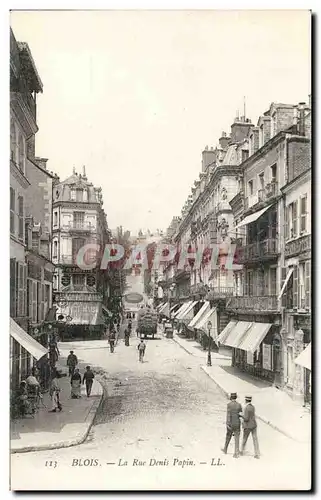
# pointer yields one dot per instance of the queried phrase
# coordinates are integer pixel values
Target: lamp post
(209, 357)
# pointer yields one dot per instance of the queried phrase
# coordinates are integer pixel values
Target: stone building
(28, 261)
(80, 286)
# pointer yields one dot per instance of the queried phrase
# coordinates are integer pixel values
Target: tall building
(30, 225)
(80, 292)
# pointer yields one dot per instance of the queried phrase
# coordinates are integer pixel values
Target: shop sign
(267, 356)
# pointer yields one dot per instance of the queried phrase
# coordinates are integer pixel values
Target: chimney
(42, 162)
(240, 129)
(254, 140)
(301, 109)
(224, 141)
(208, 157)
(84, 173)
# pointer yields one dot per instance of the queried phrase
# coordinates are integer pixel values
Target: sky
(135, 96)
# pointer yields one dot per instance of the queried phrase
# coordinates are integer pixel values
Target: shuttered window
(295, 287)
(294, 219)
(20, 218)
(283, 276)
(34, 302)
(307, 284)
(21, 289)
(12, 210)
(286, 223)
(272, 281)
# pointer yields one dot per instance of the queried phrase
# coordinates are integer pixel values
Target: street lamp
(209, 357)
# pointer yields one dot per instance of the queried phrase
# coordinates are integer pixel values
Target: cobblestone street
(164, 409)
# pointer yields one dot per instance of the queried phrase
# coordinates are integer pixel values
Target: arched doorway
(277, 359)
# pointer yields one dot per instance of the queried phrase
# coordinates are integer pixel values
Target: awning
(163, 308)
(179, 310)
(205, 307)
(175, 307)
(236, 334)
(304, 359)
(254, 336)
(84, 313)
(51, 315)
(288, 276)
(159, 306)
(208, 316)
(183, 310)
(252, 217)
(26, 341)
(187, 315)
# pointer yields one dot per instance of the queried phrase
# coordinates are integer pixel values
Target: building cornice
(297, 181)
(17, 174)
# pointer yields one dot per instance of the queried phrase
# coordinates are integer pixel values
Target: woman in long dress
(76, 384)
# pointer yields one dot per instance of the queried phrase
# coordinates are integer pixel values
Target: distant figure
(233, 424)
(250, 426)
(72, 362)
(54, 393)
(88, 379)
(76, 384)
(129, 325)
(24, 405)
(141, 350)
(126, 335)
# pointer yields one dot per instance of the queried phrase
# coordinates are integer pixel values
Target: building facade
(25, 311)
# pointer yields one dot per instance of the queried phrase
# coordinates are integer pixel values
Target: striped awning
(187, 315)
(183, 310)
(179, 310)
(208, 316)
(254, 336)
(26, 341)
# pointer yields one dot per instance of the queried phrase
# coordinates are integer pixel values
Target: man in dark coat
(88, 379)
(233, 424)
(72, 362)
(250, 426)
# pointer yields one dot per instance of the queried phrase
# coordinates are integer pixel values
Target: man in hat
(72, 362)
(233, 424)
(250, 426)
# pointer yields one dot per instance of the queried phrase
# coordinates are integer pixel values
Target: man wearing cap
(250, 426)
(233, 424)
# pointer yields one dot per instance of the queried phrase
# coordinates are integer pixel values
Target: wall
(299, 157)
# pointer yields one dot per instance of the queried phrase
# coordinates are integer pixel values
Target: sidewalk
(273, 406)
(57, 430)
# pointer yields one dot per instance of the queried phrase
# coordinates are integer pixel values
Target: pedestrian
(112, 340)
(88, 379)
(129, 325)
(72, 362)
(127, 335)
(141, 350)
(75, 382)
(24, 405)
(233, 424)
(54, 393)
(250, 426)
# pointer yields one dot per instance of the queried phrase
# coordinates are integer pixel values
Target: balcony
(252, 303)
(298, 246)
(79, 227)
(71, 260)
(199, 289)
(267, 193)
(257, 251)
(219, 292)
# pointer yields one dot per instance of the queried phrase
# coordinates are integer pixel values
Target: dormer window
(73, 194)
(79, 195)
(57, 194)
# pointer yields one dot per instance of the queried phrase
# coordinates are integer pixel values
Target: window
(22, 153)
(260, 282)
(55, 249)
(79, 195)
(303, 214)
(78, 281)
(12, 210)
(72, 194)
(250, 187)
(272, 281)
(250, 283)
(79, 219)
(77, 244)
(21, 288)
(295, 287)
(34, 302)
(13, 141)
(13, 287)
(20, 218)
(291, 220)
(245, 154)
(55, 221)
(307, 284)
(273, 173)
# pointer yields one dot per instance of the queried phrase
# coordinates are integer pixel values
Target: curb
(73, 442)
(186, 350)
(262, 418)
